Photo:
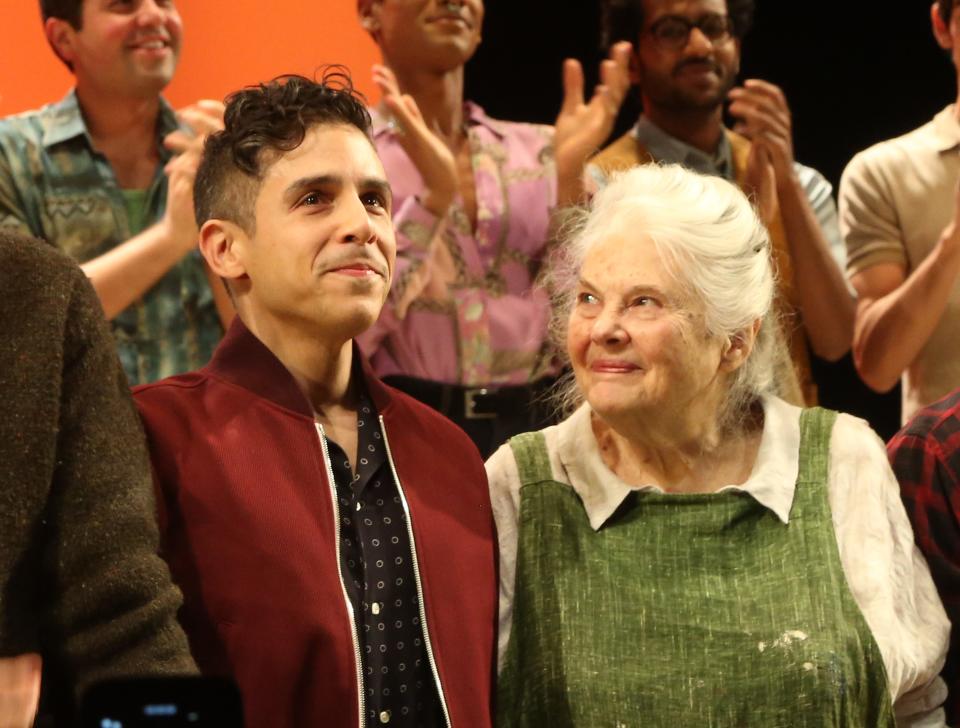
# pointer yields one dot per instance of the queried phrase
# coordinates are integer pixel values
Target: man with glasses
(685, 62)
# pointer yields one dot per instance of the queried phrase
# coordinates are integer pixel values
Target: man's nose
(355, 226)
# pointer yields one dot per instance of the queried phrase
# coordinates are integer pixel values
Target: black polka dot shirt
(377, 568)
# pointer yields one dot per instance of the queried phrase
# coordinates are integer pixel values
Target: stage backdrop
(226, 46)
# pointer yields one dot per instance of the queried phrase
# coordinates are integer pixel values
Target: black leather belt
(473, 403)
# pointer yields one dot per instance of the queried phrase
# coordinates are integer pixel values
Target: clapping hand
(581, 127)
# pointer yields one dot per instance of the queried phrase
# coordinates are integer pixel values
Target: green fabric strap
(686, 610)
(533, 461)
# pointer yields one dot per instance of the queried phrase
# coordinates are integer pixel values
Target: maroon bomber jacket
(248, 528)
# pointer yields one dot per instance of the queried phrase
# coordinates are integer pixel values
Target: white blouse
(885, 571)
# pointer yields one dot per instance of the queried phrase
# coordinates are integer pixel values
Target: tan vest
(794, 379)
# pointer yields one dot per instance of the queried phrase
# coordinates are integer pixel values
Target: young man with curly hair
(332, 536)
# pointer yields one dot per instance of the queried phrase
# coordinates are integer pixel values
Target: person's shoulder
(26, 261)
(166, 393)
(895, 152)
(940, 420)
(27, 127)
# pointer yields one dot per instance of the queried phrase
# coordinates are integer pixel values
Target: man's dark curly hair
(69, 10)
(261, 123)
(946, 9)
(623, 19)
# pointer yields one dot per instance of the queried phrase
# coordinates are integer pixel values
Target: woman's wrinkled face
(638, 346)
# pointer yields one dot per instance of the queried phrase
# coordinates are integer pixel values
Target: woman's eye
(586, 298)
(645, 301)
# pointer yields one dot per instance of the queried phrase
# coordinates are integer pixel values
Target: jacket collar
(242, 359)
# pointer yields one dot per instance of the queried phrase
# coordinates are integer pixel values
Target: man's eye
(313, 198)
(671, 30)
(374, 199)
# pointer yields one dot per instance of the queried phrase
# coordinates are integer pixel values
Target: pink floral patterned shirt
(491, 328)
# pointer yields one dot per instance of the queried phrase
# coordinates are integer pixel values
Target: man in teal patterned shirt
(106, 175)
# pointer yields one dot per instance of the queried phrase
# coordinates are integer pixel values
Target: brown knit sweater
(81, 581)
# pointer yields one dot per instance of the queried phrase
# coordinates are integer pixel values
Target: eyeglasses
(672, 32)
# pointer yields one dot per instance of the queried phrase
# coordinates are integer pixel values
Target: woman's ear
(738, 347)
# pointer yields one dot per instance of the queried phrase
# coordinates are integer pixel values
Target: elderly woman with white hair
(686, 548)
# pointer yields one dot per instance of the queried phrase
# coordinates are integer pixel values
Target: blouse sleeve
(504, 481)
(886, 572)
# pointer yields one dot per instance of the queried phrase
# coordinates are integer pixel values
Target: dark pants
(489, 415)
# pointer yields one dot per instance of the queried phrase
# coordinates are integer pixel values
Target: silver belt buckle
(470, 405)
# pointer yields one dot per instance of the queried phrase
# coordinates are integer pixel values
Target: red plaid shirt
(925, 456)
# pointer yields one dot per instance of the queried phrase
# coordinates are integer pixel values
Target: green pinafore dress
(686, 610)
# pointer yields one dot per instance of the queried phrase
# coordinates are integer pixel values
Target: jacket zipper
(416, 577)
(361, 698)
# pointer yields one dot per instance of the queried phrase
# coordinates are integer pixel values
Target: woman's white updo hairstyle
(710, 240)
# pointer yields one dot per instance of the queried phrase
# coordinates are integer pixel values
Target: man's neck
(439, 96)
(124, 130)
(321, 366)
(701, 129)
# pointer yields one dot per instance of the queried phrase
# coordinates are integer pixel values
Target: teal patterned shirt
(56, 186)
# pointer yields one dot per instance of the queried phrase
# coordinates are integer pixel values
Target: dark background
(853, 76)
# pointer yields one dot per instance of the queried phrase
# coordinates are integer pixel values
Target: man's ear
(369, 12)
(222, 245)
(941, 29)
(61, 37)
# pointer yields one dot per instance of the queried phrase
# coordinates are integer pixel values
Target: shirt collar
(473, 115)
(772, 483)
(946, 130)
(63, 121)
(670, 150)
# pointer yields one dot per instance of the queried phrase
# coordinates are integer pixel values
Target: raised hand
(181, 171)
(763, 116)
(429, 154)
(202, 118)
(581, 127)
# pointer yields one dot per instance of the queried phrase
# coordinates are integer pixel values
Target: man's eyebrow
(295, 188)
(378, 184)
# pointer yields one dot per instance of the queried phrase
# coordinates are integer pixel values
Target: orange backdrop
(227, 44)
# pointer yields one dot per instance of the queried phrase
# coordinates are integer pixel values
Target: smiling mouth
(150, 45)
(614, 368)
(357, 270)
(458, 19)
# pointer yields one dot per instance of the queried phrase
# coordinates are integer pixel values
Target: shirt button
(376, 608)
(385, 716)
